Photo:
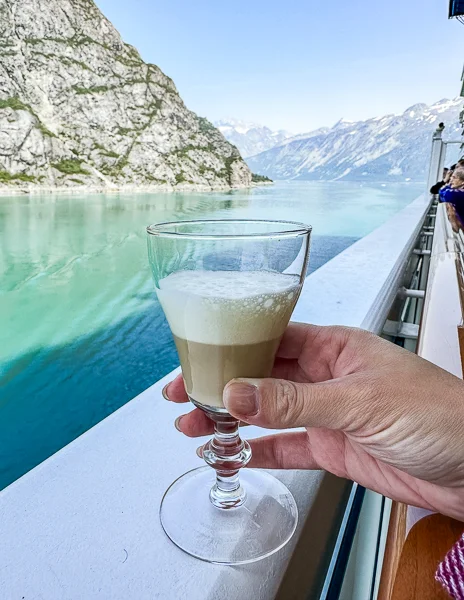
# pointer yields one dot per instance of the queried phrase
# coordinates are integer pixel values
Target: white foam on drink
(228, 307)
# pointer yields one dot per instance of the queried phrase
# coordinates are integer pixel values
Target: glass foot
(262, 525)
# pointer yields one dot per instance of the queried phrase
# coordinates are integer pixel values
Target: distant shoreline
(135, 189)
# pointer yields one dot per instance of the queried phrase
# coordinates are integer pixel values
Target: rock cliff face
(79, 107)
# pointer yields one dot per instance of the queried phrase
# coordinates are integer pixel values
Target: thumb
(282, 404)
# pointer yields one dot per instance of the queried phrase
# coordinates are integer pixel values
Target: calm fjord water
(81, 331)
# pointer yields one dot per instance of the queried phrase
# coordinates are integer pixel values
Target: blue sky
(298, 64)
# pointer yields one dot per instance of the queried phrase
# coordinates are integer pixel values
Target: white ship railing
(438, 156)
(84, 524)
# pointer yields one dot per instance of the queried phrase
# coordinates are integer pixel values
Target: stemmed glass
(228, 289)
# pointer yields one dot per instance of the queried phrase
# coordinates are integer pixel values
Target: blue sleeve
(446, 194)
(453, 196)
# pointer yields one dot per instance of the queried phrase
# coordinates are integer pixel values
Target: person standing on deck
(437, 187)
(454, 192)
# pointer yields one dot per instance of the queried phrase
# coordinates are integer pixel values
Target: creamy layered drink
(226, 324)
(228, 288)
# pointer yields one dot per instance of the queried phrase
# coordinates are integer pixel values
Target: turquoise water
(81, 332)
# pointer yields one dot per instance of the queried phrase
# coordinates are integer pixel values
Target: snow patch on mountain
(250, 138)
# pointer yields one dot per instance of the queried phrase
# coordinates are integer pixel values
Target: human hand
(453, 218)
(373, 413)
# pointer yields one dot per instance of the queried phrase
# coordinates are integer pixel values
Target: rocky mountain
(79, 107)
(250, 138)
(390, 148)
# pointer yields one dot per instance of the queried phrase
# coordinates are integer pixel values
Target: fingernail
(241, 398)
(177, 423)
(164, 392)
(200, 452)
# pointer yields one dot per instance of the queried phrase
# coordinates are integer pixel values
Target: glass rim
(162, 229)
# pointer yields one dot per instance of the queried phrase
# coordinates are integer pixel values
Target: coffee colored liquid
(226, 324)
(208, 368)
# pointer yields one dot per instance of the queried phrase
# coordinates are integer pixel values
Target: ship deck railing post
(437, 158)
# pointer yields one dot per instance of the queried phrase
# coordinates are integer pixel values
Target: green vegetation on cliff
(6, 177)
(70, 166)
(16, 104)
(255, 178)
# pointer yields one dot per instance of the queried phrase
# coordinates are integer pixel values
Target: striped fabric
(450, 573)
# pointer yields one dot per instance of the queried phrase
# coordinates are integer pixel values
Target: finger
(318, 349)
(288, 369)
(175, 390)
(301, 336)
(281, 404)
(294, 340)
(195, 424)
(282, 451)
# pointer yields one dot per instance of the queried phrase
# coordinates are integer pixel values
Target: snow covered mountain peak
(242, 127)
(388, 148)
(250, 138)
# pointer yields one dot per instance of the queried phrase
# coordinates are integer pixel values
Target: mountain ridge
(250, 138)
(389, 148)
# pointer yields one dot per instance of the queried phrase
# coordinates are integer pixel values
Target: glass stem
(227, 453)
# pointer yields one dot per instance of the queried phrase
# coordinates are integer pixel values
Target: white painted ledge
(439, 341)
(357, 287)
(442, 315)
(84, 524)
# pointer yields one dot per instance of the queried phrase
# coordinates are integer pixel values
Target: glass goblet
(228, 289)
